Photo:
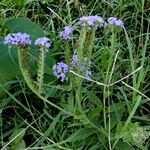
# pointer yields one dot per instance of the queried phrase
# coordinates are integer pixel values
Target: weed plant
(81, 84)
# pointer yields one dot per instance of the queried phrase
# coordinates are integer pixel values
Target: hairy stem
(40, 72)
(80, 61)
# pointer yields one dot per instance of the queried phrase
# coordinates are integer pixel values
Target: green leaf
(123, 145)
(26, 26)
(2, 21)
(116, 107)
(132, 133)
(8, 62)
(19, 3)
(93, 98)
(94, 111)
(81, 134)
(18, 146)
(17, 135)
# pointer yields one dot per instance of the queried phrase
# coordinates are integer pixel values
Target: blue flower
(43, 42)
(88, 74)
(115, 21)
(20, 39)
(59, 70)
(66, 33)
(74, 60)
(91, 21)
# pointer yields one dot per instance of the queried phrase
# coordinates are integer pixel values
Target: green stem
(80, 62)
(91, 43)
(67, 52)
(40, 73)
(105, 93)
(82, 39)
(104, 106)
(89, 47)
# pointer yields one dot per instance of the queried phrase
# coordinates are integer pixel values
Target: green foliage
(8, 62)
(40, 70)
(81, 134)
(17, 139)
(24, 25)
(77, 114)
(133, 134)
(44, 1)
(19, 2)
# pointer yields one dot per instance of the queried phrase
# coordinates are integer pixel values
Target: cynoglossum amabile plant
(22, 40)
(35, 86)
(87, 26)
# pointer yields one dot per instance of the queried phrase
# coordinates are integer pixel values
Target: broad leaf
(26, 26)
(8, 62)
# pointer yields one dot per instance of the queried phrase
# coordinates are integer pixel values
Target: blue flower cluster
(59, 70)
(67, 32)
(115, 21)
(99, 21)
(21, 39)
(91, 21)
(43, 42)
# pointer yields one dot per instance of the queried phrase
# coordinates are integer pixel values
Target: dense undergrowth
(108, 110)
